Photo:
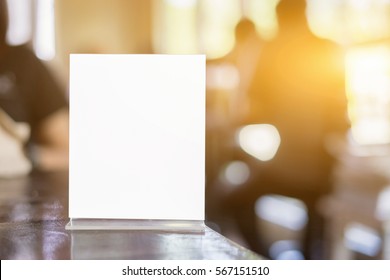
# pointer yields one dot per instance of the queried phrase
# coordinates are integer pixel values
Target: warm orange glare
(368, 91)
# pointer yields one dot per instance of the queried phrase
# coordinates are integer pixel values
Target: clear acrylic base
(124, 224)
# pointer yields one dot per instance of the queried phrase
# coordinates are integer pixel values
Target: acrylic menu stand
(137, 142)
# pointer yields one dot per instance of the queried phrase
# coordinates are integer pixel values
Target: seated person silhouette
(33, 111)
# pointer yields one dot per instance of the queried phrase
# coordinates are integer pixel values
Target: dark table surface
(33, 215)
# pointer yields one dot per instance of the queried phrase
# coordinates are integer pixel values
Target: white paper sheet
(137, 137)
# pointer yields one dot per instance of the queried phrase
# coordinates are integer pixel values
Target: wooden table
(33, 215)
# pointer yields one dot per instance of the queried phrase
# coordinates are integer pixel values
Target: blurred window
(203, 26)
(193, 26)
(32, 21)
(174, 26)
(20, 19)
(350, 21)
(368, 92)
(44, 39)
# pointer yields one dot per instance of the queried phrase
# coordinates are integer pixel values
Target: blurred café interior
(252, 135)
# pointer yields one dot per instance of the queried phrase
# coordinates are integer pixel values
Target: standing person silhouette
(299, 89)
(243, 57)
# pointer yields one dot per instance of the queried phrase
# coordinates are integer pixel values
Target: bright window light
(263, 14)
(174, 27)
(368, 91)
(367, 19)
(19, 26)
(217, 28)
(44, 43)
(182, 3)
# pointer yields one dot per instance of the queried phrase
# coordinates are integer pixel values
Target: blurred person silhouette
(229, 78)
(33, 111)
(243, 57)
(233, 73)
(299, 89)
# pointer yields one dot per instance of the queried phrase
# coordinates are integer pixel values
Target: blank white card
(137, 137)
